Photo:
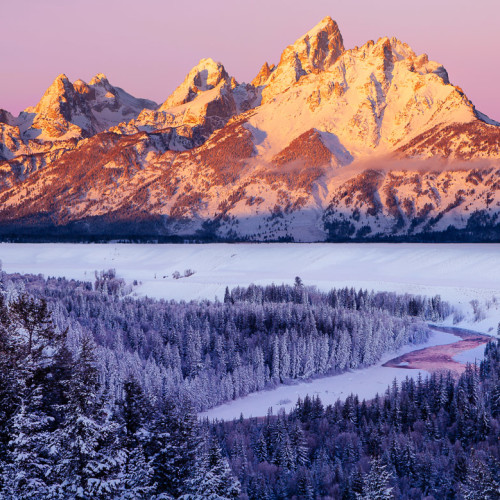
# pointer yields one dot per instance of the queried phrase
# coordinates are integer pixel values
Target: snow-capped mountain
(206, 100)
(69, 111)
(369, 142)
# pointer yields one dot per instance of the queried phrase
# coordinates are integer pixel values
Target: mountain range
(368, 143)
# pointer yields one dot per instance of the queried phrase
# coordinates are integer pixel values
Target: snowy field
(366, 383)
(459, 273)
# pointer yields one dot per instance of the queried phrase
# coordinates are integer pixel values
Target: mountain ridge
(266, 160)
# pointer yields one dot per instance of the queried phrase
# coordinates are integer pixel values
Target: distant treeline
(481, 227)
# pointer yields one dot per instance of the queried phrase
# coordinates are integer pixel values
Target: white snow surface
(458, 272)
(366, 383)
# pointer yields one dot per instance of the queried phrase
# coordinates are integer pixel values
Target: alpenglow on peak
(314, 52)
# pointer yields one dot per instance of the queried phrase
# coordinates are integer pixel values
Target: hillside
(368, 143)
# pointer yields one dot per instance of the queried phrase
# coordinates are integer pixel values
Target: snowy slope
(329, 144)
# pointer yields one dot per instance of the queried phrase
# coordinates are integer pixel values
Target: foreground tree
(212, 478)
(91, 458)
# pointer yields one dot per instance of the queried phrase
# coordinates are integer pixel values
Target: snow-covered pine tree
(136, 468)
(176, 447)
(91, 461)
(38, 365)
(212, 478)
(376, 483)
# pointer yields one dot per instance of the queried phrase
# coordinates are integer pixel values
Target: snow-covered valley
(459, 273)
(365, 383)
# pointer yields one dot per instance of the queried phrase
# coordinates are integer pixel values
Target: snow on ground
(458, 272)
(471, 356)
(366, 383)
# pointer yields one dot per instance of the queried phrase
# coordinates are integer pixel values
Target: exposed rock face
(263, 75)
(316, 51)
(55, 114)
(330, 144)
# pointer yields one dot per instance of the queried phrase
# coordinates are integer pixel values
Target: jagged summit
(327, 28)
(60, 88)
(314, 52)
(206, 75)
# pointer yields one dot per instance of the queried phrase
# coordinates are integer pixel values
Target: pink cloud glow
(148, 47)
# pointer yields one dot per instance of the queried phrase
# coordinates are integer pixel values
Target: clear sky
(148, 46)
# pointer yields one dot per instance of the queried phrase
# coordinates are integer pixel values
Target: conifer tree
(376, 483)
(91, 459)
(36, 356)
(212, 478)
(176, 447)
(137, 471)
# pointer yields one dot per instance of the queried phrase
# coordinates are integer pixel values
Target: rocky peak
(314, 52)
(206, 75)
(263, 75)
(60, 91)
(320, 47)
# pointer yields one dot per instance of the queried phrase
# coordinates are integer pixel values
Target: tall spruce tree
(36, 356)
(92, 459)
(212, 478)
(136, 468)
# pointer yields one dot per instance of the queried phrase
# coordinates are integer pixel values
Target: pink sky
(148, 46)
